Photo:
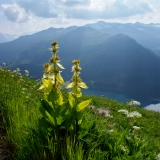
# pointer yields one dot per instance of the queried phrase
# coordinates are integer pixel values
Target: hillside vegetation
(102, 130)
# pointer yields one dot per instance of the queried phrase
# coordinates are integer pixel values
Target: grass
(104, 133)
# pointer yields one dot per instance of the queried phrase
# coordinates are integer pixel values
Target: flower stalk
(52, 78)
(77, 82)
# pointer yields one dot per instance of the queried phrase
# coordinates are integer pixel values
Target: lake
(145, 103)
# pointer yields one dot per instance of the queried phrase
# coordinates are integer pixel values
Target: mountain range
(147, 35)
(111, 60)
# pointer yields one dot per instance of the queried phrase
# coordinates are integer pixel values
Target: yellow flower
(46, 66)
(55, 43)
(76, 68)
(73, 84)
(59, 78)
(47, 85)
(60, 66)
(46, 73)
(77, 91)
(76, 62)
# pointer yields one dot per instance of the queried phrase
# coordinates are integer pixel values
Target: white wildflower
(18, 70)
(158, 156)
(136, 128)
(110, 131)
(26, 73)
(4, 64)
(15, 71)
(124, 148)
(134, 114)
(133, 103)
(128, 138)
(34, 86)
(124, 111)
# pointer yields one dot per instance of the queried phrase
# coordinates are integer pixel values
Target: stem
(54, 56)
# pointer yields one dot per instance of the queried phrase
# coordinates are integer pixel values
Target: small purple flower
(103, 112)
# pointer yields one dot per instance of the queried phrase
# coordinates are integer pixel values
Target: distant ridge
(9, 49)
(147, 35)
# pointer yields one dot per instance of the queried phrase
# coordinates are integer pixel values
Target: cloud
(42, 14)
(40, 8)
(14, 13)
(112, 9)
(72, 3)
(79, 9)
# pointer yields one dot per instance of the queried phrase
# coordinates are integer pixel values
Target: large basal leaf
(63, 113)
(83, 105)
(48, 108)
(46, 115)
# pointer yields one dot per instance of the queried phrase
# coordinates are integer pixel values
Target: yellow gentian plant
(57, 113)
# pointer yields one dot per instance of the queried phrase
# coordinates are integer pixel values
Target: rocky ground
(5, 148)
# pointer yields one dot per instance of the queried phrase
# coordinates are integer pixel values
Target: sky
(29, 16)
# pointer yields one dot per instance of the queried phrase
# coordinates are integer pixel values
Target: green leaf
(83, 105)
(80, 121)
(79, 115)
(46, 115)
(48, 108)
(59, 120)
(71, 100)
(65, 109)
(55, 97)
(63, 114)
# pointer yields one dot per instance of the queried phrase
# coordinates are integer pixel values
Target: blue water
(145, 103)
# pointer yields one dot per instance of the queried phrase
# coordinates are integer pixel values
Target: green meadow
(52, 120)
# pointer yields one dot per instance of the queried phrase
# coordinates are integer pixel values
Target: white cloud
(14, 13)
(40, 8)
(72, 3)
(112, 9)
